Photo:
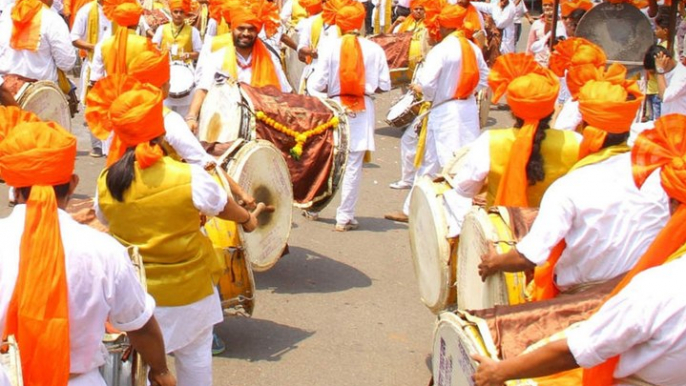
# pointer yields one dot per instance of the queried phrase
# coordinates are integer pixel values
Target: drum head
(48, 102)
(621, 30)
(181, 80)
(484, 102)
(259, 168)
(429, 245)
(222, 117)
(455, 164)
(294, 67)
(399, 108)
(455, 341)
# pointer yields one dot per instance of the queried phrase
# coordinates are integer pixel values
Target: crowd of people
(604, 200)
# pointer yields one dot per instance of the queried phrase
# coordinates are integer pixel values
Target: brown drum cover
(396, 47)
(491, 50)
(155, 18)
(310, 174)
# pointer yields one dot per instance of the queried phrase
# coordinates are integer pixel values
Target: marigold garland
(300, 138)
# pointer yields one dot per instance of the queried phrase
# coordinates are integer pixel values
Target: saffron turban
(261, 13)
(12, 116)
(151, 66)
(40, 155)
(346, 14)
(570, 6)
(579, 75)
(574, 52)
(452, 16)
(125, 13)
(313, 7)
(180, 4)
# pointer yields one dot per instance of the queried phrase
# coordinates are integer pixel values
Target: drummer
(167, 197)
(453, 121)
(91, 278)
(248, 59)
(413, 22)
(521, 163)
(315, 34)
(584, 232)
(184, 43)
(36, 45)
(638, 335)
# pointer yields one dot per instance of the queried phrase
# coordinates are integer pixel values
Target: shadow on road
(389, 132)
(368, 224)
(305, 271)
(258, 339)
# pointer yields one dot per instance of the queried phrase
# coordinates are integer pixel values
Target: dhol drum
(433, 246)
(501, 227)
(43, 98)
(505, 332)
(294, 68)
(10, 361)
(181, 80)
(224, 116)
(404, 110)
(403, 52)
(259, 168)
(483, 102)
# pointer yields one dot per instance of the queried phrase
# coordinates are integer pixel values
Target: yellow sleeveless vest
(158, 215)
(560, 150)
(184, 39)
(134, 45)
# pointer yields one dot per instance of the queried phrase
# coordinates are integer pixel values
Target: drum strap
(271, 49)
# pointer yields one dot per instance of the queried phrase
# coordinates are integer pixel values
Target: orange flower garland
(300, 138)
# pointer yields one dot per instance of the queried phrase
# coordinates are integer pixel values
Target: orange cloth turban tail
(180, 4)
(349, 17)
(40, 155)
(604, 106)
(531, 93)
(26, 22)
(151, 66)
(663, 147)
(131, 110)
(124, 14)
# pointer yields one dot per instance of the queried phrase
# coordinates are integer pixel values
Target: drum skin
(47, 101)
(294, 68)
(222, 117)
(181, 80)
(403, 111)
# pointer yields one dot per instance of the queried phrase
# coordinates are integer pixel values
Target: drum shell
(47, 101)
(410, 112)
(182, 80)
(224, 117)
(10, 361)
(293, 67)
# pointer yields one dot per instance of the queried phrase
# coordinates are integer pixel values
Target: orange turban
(348, 15)
(573, 52)
(151, 66)
(313, 7)
(261, 13)
(331, 9)
(417, 3)
(40, 155)
(551, 2)
(26, 22)
(452, 16)
(180, 4)
(604, 106)
(12, 116)
(570, 6)
(579, 75)
(663, 147)
(107, 111)
(126, 13)
(531, 93)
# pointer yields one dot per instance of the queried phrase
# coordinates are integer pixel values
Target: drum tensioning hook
(510, 243)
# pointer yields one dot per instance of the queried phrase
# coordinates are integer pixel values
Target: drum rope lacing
(300, 138)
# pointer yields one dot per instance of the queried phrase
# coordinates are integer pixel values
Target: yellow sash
(387, 18)
(226, 41)
(223, 27)
(92, 28)
(317, 26)
(183, 39)
(601, 155)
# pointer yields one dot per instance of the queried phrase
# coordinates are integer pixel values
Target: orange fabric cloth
(452, 16)
(417, 3)
(472, 19)
(151, 66)
(469, 74)
(663, 147)
(26, 22)
(180, 4)
(260, 13)
(40, 155)
(312, 7)
(331, 8)
(604, 106)
(577, 76)
(11, 116)
(531, 93)
(570, 6)
(573, 52)
(351, 71)
(548, 2)
(124, 13)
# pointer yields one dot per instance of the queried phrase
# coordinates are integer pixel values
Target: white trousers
(193, 362)
(408, 149)
(351, 187)
(436, 155)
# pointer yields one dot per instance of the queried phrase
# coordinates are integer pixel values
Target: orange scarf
(26, 23)
(664, 147)
(469, 74)
(40, 155)
(352, 73)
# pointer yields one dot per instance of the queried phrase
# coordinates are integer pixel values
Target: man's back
(101, 284)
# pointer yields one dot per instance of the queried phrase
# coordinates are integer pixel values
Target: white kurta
(569, 117)
(504, 19)
(79, 31)
(605, 220)
(102, 285)
(674, 97)
(54, 49)
(327, 36)
(645, 324)
(183, 141)
(452, 123)
(211, 63)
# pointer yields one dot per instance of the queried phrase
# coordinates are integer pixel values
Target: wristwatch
(659, 70)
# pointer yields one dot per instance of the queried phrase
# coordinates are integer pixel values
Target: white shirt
(101, 283)
(80, 27)
(211, 29)
(196, 40)
(605, 220)
(377, 77)
(211, 63)
(520, 11)
(327, 36)
(54, 49)
(569, 117)
(504, 19)
(184, 142)
(674, 97)
(537, 43)
(645, 324)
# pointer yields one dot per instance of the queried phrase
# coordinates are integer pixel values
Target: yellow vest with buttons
(560, 151)
(159, 216)
(183, 41)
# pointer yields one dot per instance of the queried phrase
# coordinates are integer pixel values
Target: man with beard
(239, 55)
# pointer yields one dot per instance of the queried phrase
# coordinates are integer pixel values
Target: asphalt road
(341, 308)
